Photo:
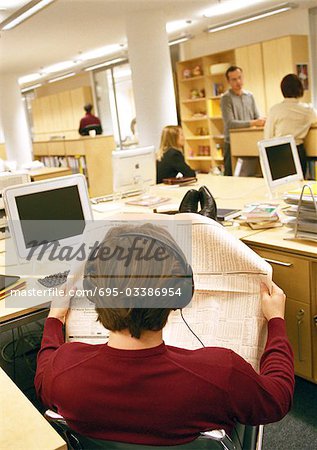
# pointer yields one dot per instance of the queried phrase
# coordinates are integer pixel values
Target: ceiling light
(180, 39)
(24, 13)
(228, 7)
(106, 63)
(62, 77)
(269, 12)
(29, 78)
(30, 88)
(58, 67)
(100, 52)
(177, 25)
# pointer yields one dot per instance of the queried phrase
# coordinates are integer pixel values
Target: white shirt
(290, 117)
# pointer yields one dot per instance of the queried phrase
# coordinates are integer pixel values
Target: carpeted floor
(298, 430)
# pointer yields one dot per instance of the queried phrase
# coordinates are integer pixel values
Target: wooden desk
(49, 172)
(244, 142)
(22, 426)
(297, 275)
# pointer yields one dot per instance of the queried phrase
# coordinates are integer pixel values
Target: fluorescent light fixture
(62, 77)
(30, 88)
(177, 25)
(24, 13)
(229, 6)
(180, 39)
(100, 52)
(58, 67)
(260, 15)
(106, 63)
(29, 78)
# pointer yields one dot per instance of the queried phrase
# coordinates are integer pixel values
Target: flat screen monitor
(133, 169)
(280, 162)
(47, 211)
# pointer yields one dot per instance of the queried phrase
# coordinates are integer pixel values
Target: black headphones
(182, 284)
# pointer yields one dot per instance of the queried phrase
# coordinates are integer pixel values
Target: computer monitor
(280, 162)
(133, 169)
(47, 211)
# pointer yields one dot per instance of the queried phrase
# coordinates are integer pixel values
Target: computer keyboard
(111, 197)
(56, 279)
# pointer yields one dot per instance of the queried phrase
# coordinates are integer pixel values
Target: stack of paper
(261, 216)
(302, 216)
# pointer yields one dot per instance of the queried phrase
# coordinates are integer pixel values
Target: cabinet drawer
(298, 324)
(290, 273)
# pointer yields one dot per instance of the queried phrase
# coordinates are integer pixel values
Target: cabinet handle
(300, 319)
(279, 263)
(315, 320)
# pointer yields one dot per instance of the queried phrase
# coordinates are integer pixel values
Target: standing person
(171, 159)
(238, 110)
(89, 121)
(291, 116)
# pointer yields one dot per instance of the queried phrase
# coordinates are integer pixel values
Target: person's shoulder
(172, 151)
(226, 94)
(307, 106)
(277, 107)
(247, 93)
(205, 355)
(72, 353)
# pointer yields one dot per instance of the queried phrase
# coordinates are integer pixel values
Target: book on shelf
(218, 89)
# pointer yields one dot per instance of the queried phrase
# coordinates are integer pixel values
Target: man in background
(238, 111)
(89, 122)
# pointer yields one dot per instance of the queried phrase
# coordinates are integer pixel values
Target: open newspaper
(225, 310)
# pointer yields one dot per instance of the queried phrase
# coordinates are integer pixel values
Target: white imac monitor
(53, 210)
(133, 169)
(280, 162)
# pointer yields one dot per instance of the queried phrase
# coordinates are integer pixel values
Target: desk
(295, 262)
(22, 426)
(49, 172)
(244, 142)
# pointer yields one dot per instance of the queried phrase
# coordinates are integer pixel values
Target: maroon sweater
(89, 119)
(162, 395)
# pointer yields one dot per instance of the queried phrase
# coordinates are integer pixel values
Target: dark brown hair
(291, 86)
(88, 107)
(232, 69)
(107, 273)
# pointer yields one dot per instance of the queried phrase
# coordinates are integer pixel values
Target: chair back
(208, 440)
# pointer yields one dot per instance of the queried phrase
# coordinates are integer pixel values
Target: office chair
(208, 440)
(85, 131)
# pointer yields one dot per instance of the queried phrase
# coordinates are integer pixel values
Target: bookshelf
(90, 156)
(200, 96)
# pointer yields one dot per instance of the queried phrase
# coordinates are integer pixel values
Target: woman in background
(291, 116)
(170, 156)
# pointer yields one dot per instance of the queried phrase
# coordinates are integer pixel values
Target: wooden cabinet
(89, 156)
(59, 114)
(201, 82)
(296, 275)
(280, 57)
(250, 59)
(298, 324)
